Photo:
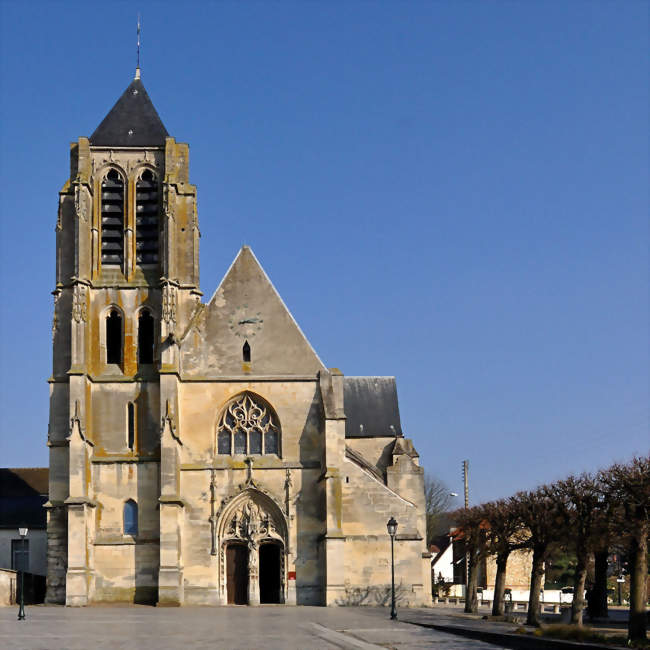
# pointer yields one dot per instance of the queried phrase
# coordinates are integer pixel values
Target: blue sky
(454, 193)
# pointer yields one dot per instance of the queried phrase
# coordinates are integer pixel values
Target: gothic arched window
(114, 337)
(112, 209)
(248, 426)
(146, 219)
(145, 337)
(131, 518)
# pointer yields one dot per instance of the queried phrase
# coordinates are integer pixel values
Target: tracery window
(146, 219)
(112, 209)
(248, 426)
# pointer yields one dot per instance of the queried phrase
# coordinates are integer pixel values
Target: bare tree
(627, 487)
(437, 499)
(503, 535)
(471, 532)
(537, 512)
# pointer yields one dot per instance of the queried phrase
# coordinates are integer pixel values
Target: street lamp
(21, 610)
(392, 529)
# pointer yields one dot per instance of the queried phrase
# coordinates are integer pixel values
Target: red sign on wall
(292, 575)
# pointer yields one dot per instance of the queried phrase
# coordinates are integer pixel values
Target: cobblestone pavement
(223, 628)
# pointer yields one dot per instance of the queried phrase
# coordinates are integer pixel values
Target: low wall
(8, 579)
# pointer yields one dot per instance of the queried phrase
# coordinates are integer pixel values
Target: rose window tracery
(248, 426)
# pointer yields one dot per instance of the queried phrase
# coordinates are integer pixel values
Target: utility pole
(465, 483)
(466, 486)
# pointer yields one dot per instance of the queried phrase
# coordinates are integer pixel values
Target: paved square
(228, 628)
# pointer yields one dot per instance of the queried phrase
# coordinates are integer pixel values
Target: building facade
(23, 491)
(201, 453)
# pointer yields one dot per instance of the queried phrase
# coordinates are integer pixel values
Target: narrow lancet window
(114, 337)
(112, 208)
(130, 417)
(224, 443)
(145, 337)
(271, 442)
(246, 352)
(255, 441)
(146, 219)
(240, 441)
(131, 518)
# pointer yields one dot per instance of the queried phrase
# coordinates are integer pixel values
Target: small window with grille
(146, 219)
(112, 209)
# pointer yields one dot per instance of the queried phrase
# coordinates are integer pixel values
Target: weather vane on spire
(137, 68)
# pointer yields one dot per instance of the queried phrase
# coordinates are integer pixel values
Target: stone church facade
(200, 452)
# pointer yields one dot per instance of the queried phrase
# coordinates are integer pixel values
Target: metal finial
(137, 67)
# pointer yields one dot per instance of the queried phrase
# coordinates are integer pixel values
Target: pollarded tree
(627, 488)
(581, 509)
(538, 513)
(503, 534)
(470, 532)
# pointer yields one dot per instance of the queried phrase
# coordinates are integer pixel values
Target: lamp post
(21, 610)
(392, 529)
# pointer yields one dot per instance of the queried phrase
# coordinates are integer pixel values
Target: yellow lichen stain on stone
(100, 452)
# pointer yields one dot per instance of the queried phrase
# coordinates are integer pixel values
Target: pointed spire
(132, 122)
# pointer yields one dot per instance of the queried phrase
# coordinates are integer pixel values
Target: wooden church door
(237, 574)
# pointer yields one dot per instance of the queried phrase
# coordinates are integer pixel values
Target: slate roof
(371, 407)
(23, 491)
(132, 122)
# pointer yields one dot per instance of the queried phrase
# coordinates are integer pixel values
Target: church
(201, 453)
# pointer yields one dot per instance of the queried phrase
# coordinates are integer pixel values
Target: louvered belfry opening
(112, 219)
(146, 219)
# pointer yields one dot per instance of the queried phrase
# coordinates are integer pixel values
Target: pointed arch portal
(252, 536)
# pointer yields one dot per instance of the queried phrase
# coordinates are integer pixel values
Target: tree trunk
(500, 583)
(579, 578)
(536, 576)
(638, 622)
(598, 601)
(471, 599)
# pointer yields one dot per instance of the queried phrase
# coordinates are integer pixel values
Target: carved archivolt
(251, 517)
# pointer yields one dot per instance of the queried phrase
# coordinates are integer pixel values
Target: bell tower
(127, 279)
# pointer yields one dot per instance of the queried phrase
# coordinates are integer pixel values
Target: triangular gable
(246, 308)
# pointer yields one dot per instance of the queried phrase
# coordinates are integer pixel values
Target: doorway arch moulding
(251, 517)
